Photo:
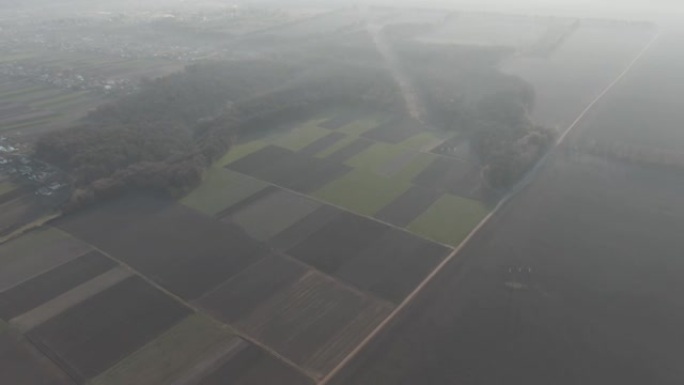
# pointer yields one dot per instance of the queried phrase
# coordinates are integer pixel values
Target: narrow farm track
(519, 187)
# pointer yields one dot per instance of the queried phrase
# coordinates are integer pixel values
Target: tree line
(163, 137)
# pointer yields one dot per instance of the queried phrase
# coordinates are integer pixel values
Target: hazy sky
(583, 6)
(623, 8)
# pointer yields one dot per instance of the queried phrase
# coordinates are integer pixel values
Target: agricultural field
(261, 258)
(22, 364)
(305, 236)
(182, 250)
(193, 341)
(102, 325)
(33, 107)
(300, 313)
(373, 165)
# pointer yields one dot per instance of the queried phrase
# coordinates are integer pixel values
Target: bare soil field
(289, 169)
(314, 322)
(407, 207)
(337, 242)
(185, 251)
(252, 366)
(393, 265)
(36, 253)
(322, 144)
(91, 337)
(241, 295)
(29, 294)
(301, 230)
(20, 363)
(174, 355)
(575, 281)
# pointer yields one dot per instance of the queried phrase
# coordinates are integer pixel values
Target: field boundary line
(319, 200)
(198, 310)
(519, 187)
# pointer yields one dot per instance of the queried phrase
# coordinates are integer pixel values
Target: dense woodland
(464, 91)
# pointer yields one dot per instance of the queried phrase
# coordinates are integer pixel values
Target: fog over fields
(329, 192)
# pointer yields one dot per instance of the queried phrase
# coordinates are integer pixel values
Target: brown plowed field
(91, 337)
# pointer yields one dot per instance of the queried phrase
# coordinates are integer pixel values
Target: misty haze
(331, 192)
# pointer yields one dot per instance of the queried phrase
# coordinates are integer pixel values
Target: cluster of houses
(46, 179)
(67, 79)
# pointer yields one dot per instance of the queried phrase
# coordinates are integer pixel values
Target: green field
(381, 173)
(164, 359)
(449, 220)
(359, 126)
(375, 156)
(362, 191)
(221, 189)
(419, 162)
(337, 146)
(241, 150)
(301, 136)
(45, 107)
(422, 142)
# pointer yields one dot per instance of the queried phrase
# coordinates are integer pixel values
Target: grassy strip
(66, 99)
(375, 156)
(221, 189)
(338, 145)
(20, 92)
(17, 57)
(28, 124)
(449, 220)
(362, 191)
(360, 126)
(302, 136)
(36, 96)
(419, 163)
(165, 359)
(421, 142)
(240, 151)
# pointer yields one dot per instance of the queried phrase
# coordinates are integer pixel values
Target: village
(28, 173)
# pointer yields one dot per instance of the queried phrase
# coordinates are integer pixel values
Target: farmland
(313, 205)
(360, 165)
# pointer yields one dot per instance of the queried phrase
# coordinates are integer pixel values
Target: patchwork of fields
(372, 165)
(71, 84)
(35, 108)
(72, 314)
(296, 246)
(292, 251)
